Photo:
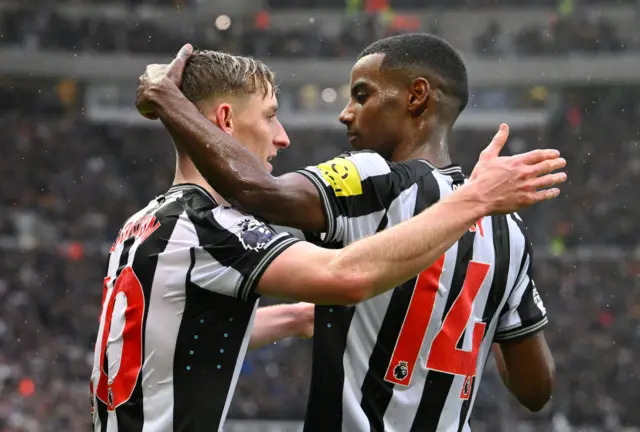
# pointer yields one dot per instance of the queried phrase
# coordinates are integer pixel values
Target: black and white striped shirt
(178, 306)
(411, 359)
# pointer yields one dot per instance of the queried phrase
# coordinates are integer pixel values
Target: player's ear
(418, 96)
(223, 117)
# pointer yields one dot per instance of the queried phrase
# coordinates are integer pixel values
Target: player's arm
(373, 265)
(527, 369)
(522, 354)
(241, 257)
(273, 323)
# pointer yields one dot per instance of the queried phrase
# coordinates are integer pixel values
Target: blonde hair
(212, 74)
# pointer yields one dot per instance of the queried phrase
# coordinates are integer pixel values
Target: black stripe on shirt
(376, 392)
(145, 261)
(502, 252)
(208, 362)
(324, 409)
(102, 407)
(438, 384)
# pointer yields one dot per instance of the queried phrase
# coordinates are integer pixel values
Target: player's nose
(281, 139)
(346, 116)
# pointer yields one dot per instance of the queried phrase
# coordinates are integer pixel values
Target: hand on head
(157, 77)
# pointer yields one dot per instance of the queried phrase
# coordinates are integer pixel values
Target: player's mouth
(272, 157)
(352, 136)
(269, 159)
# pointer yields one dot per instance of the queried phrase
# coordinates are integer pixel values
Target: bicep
(290, 199)
(530, 370)
(302, 273)
(530, 350)
(528, 359)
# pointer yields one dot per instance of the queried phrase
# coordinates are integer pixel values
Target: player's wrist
(160, 94)
(303, 316)
(473, 200)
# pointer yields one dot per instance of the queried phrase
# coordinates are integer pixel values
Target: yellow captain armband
(342, 175)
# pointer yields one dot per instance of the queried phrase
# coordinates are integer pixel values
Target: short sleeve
(524, 314)
(234, 251)
(357, 189)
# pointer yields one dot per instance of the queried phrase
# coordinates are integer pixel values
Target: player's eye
(271, 118)
(360, 97)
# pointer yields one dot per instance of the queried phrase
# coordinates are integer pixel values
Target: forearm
(226, 164)
(273, 323)
(397, 254)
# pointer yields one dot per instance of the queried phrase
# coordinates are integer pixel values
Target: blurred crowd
(415, 4)
(70, 184)
(48, 29)
(576, 34)
(340, 4)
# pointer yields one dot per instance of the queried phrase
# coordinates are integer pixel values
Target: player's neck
(186, 172)
(433, 147)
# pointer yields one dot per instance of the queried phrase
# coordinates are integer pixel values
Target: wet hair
(212, 73)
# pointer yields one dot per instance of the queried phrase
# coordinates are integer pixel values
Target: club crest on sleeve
(254, 235)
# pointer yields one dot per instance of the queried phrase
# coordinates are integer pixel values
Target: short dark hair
(426, 54)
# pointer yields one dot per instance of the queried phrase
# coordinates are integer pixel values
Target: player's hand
(508, 184)
(158, 77)
(305, 316)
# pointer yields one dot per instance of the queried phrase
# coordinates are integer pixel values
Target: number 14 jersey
(412, 358)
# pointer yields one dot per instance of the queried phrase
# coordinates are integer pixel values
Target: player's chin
(356, 142)
(362, 143)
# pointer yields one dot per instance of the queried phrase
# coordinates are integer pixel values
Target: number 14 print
(444, 356)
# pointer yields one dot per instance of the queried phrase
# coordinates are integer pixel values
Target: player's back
(411, 359)
(178, 306)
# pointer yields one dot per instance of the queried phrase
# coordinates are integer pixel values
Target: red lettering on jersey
(478, 227)
(104, 295)
(116, 390)
(443, 355)
(141, 229)
(416, 321)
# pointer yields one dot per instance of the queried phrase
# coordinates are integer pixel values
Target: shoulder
(517, 228)
(252, 232)
(368, 163)
(519, 241)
